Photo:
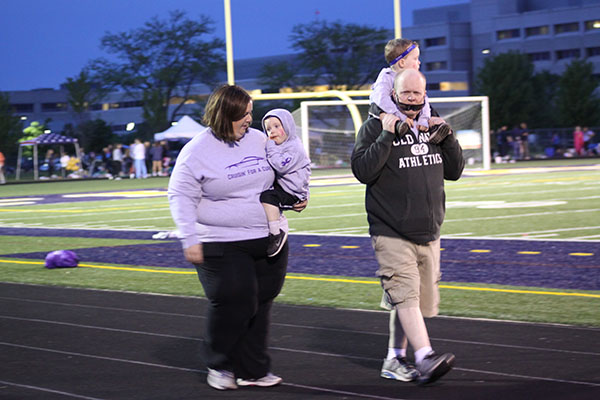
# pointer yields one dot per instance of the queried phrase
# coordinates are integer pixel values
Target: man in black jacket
(404, 171)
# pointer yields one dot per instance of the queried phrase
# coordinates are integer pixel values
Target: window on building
(537, 31)
(569, 53)
(54, 106)
(436, 65)
(508, 34)
(592, 25)
(448, 86)
(451, 86)
(22, 107)
(131, 104)
(540, 56)
(96, 107)
(179, 100)
(593, 51)
(437, 41)
(565, 28)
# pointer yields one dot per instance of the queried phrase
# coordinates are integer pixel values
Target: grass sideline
(458, 299)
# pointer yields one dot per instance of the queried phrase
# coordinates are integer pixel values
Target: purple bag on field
(61, 259)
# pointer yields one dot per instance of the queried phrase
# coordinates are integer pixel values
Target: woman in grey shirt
(214, 198)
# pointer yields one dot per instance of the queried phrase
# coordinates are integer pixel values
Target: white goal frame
(485, 119)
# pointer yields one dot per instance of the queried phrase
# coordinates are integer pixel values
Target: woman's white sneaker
(265, 381)
(221, 379)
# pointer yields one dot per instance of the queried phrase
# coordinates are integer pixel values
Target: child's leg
(272, 213)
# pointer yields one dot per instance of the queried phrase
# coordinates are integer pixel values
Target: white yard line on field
(300, 218)
(84, 206)
(586, 237)
(536, 192)
(54, 215)
(545, 235)
(338, 205)
(547, 231)
(340, 230)
(520, 215)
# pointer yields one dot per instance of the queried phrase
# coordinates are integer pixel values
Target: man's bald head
(409, 90)
(409, 76)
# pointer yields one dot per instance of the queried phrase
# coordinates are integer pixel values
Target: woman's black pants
(240, 282)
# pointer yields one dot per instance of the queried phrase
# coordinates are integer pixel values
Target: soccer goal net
(329, 128)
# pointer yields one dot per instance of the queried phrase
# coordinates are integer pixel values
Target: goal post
(328, 132)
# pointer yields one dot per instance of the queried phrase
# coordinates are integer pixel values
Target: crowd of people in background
(511, 145)
(138, 160)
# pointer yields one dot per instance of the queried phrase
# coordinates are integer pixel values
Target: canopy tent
(186, 128)
(48, 139)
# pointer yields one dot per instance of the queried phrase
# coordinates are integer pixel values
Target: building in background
(455, 41)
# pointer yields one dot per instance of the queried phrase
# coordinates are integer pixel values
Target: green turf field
(552, 205)
(512, 203)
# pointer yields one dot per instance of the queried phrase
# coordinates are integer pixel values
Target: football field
(518, 243)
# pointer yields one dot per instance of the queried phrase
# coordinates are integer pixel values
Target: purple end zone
(555, 266)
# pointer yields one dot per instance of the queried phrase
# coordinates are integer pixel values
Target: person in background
(148, 156)
(214, 194)
(157, 152)
(64, 161)
(138, 153)
(588, 134)
(578, 140)
(86, 159)
(404, 170)
(50, 159)
(555, 141)
(516, 142)
(292, 167)
(502, 140)
(107, 161)
(166, 161)
(128, 169)
(524, 134)
(2, 161)
(117, 161)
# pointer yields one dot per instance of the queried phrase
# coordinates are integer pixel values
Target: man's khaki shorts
(410, 273)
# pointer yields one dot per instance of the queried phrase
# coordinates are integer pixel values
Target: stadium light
(397, 19)
(228, 44)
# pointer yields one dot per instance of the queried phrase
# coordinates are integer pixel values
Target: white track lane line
(47, 390)
(146, 364)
